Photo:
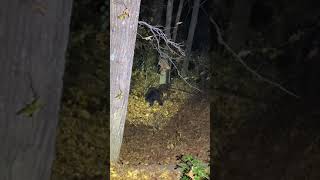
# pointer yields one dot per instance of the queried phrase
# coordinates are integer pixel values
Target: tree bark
(33, 40)
(166, 75)
(169, 18)
(192, 28)
(122, 41)
(240, 23)
(175, 31)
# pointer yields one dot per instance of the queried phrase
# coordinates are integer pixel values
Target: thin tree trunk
(166, 75)
(33, 41)
(175, 31)
(192, 28)
(157, 11)
(169, 18)
(122, 41)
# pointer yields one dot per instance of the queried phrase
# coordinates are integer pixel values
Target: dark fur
(156, 94)
(153, 94)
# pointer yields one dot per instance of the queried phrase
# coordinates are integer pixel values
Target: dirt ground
(147, 149)
(282, 143)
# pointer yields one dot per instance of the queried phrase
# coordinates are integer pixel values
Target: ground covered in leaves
(149, 153)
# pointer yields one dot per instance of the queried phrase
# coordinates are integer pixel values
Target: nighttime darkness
(198, 89)
(247, 69)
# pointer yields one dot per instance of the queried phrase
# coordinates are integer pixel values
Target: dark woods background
(82, 145)
(258, 130)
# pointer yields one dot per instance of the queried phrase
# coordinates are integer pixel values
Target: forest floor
(147, 153)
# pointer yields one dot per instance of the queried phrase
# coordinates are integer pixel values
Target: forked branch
(175, 49)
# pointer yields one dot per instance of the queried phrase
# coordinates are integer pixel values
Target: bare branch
(158, 35)
(238, 58)
(174, 48)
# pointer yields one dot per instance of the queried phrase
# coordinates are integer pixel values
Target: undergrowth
(139, 111)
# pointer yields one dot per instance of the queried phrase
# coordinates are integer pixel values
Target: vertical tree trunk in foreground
(33, 41)
(192, 28)
(123, 29)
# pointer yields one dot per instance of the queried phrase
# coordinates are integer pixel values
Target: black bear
(154, 94)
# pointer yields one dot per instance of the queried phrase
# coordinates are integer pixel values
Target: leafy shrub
(139, 111)
(192, 168)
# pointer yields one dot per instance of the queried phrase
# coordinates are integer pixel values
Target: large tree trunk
(122, 41)
(175, 31)
(33, 40)
(240, 23)
(192, 28)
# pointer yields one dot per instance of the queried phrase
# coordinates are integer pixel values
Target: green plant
(192, 168)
